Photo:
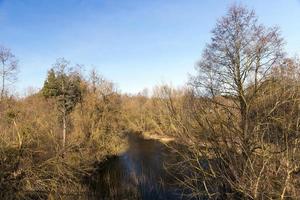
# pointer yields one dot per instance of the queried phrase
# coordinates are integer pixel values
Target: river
(139, 173)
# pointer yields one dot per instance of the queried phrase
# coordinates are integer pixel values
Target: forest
(231, 132)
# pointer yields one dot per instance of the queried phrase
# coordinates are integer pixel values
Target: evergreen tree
(63, 84)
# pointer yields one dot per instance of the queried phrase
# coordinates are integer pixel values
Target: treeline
(235, 124)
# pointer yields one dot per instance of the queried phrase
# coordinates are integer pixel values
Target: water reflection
(137, 174)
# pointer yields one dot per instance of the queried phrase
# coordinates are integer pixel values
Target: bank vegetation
(234, 125)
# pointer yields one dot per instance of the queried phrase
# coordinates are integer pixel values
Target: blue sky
(135, 43)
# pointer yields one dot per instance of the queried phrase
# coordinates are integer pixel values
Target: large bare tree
(241, 54)
(240, 124)
(8, 70)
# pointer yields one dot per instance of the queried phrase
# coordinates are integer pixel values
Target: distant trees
(98, 120)
(8, 69)
(100, 105)
(64, 84)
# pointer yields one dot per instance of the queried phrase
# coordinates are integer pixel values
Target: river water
(139, 173)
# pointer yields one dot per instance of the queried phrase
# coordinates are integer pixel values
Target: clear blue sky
(135, 43)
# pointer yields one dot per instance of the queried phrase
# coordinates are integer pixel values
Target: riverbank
(155, 136)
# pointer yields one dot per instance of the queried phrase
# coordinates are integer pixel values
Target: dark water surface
(139, 173)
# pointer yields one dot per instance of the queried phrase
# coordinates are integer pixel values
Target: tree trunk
(64, 130)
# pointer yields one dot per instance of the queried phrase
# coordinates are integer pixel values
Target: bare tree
(100, 84)
(240, 124)
(9, 68)
(241, 54)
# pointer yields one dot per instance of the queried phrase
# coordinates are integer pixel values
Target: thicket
(52, 139)
(235, 124)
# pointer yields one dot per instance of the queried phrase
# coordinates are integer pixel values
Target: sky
(135, 43)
